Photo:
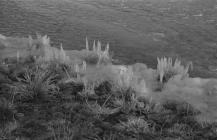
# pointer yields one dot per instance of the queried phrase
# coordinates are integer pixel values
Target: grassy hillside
(52, 94)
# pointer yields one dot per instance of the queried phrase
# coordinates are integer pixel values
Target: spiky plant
(166, 69)
(35, 83)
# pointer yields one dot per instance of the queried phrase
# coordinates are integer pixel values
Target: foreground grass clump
(35, 83)
(41, 101)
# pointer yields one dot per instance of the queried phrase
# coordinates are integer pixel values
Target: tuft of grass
(43, 51)
(6, 131)
(125, 78)
(180, 130)
(35, 84)
(7, 111)
(166, 69)
(62, 130)
(89, 88)
(136, 125)
(97, 55)
(98, 110)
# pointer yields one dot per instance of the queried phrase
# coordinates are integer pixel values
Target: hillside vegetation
(48, 93)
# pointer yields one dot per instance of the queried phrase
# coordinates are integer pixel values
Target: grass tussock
(167, 69)
(35, 83)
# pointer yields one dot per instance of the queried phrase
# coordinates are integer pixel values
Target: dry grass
(167, 69)
(35, 83)
(96, 101)
(97, 55)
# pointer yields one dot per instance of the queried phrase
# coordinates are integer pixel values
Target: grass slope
(44, 99)
(37, 103)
